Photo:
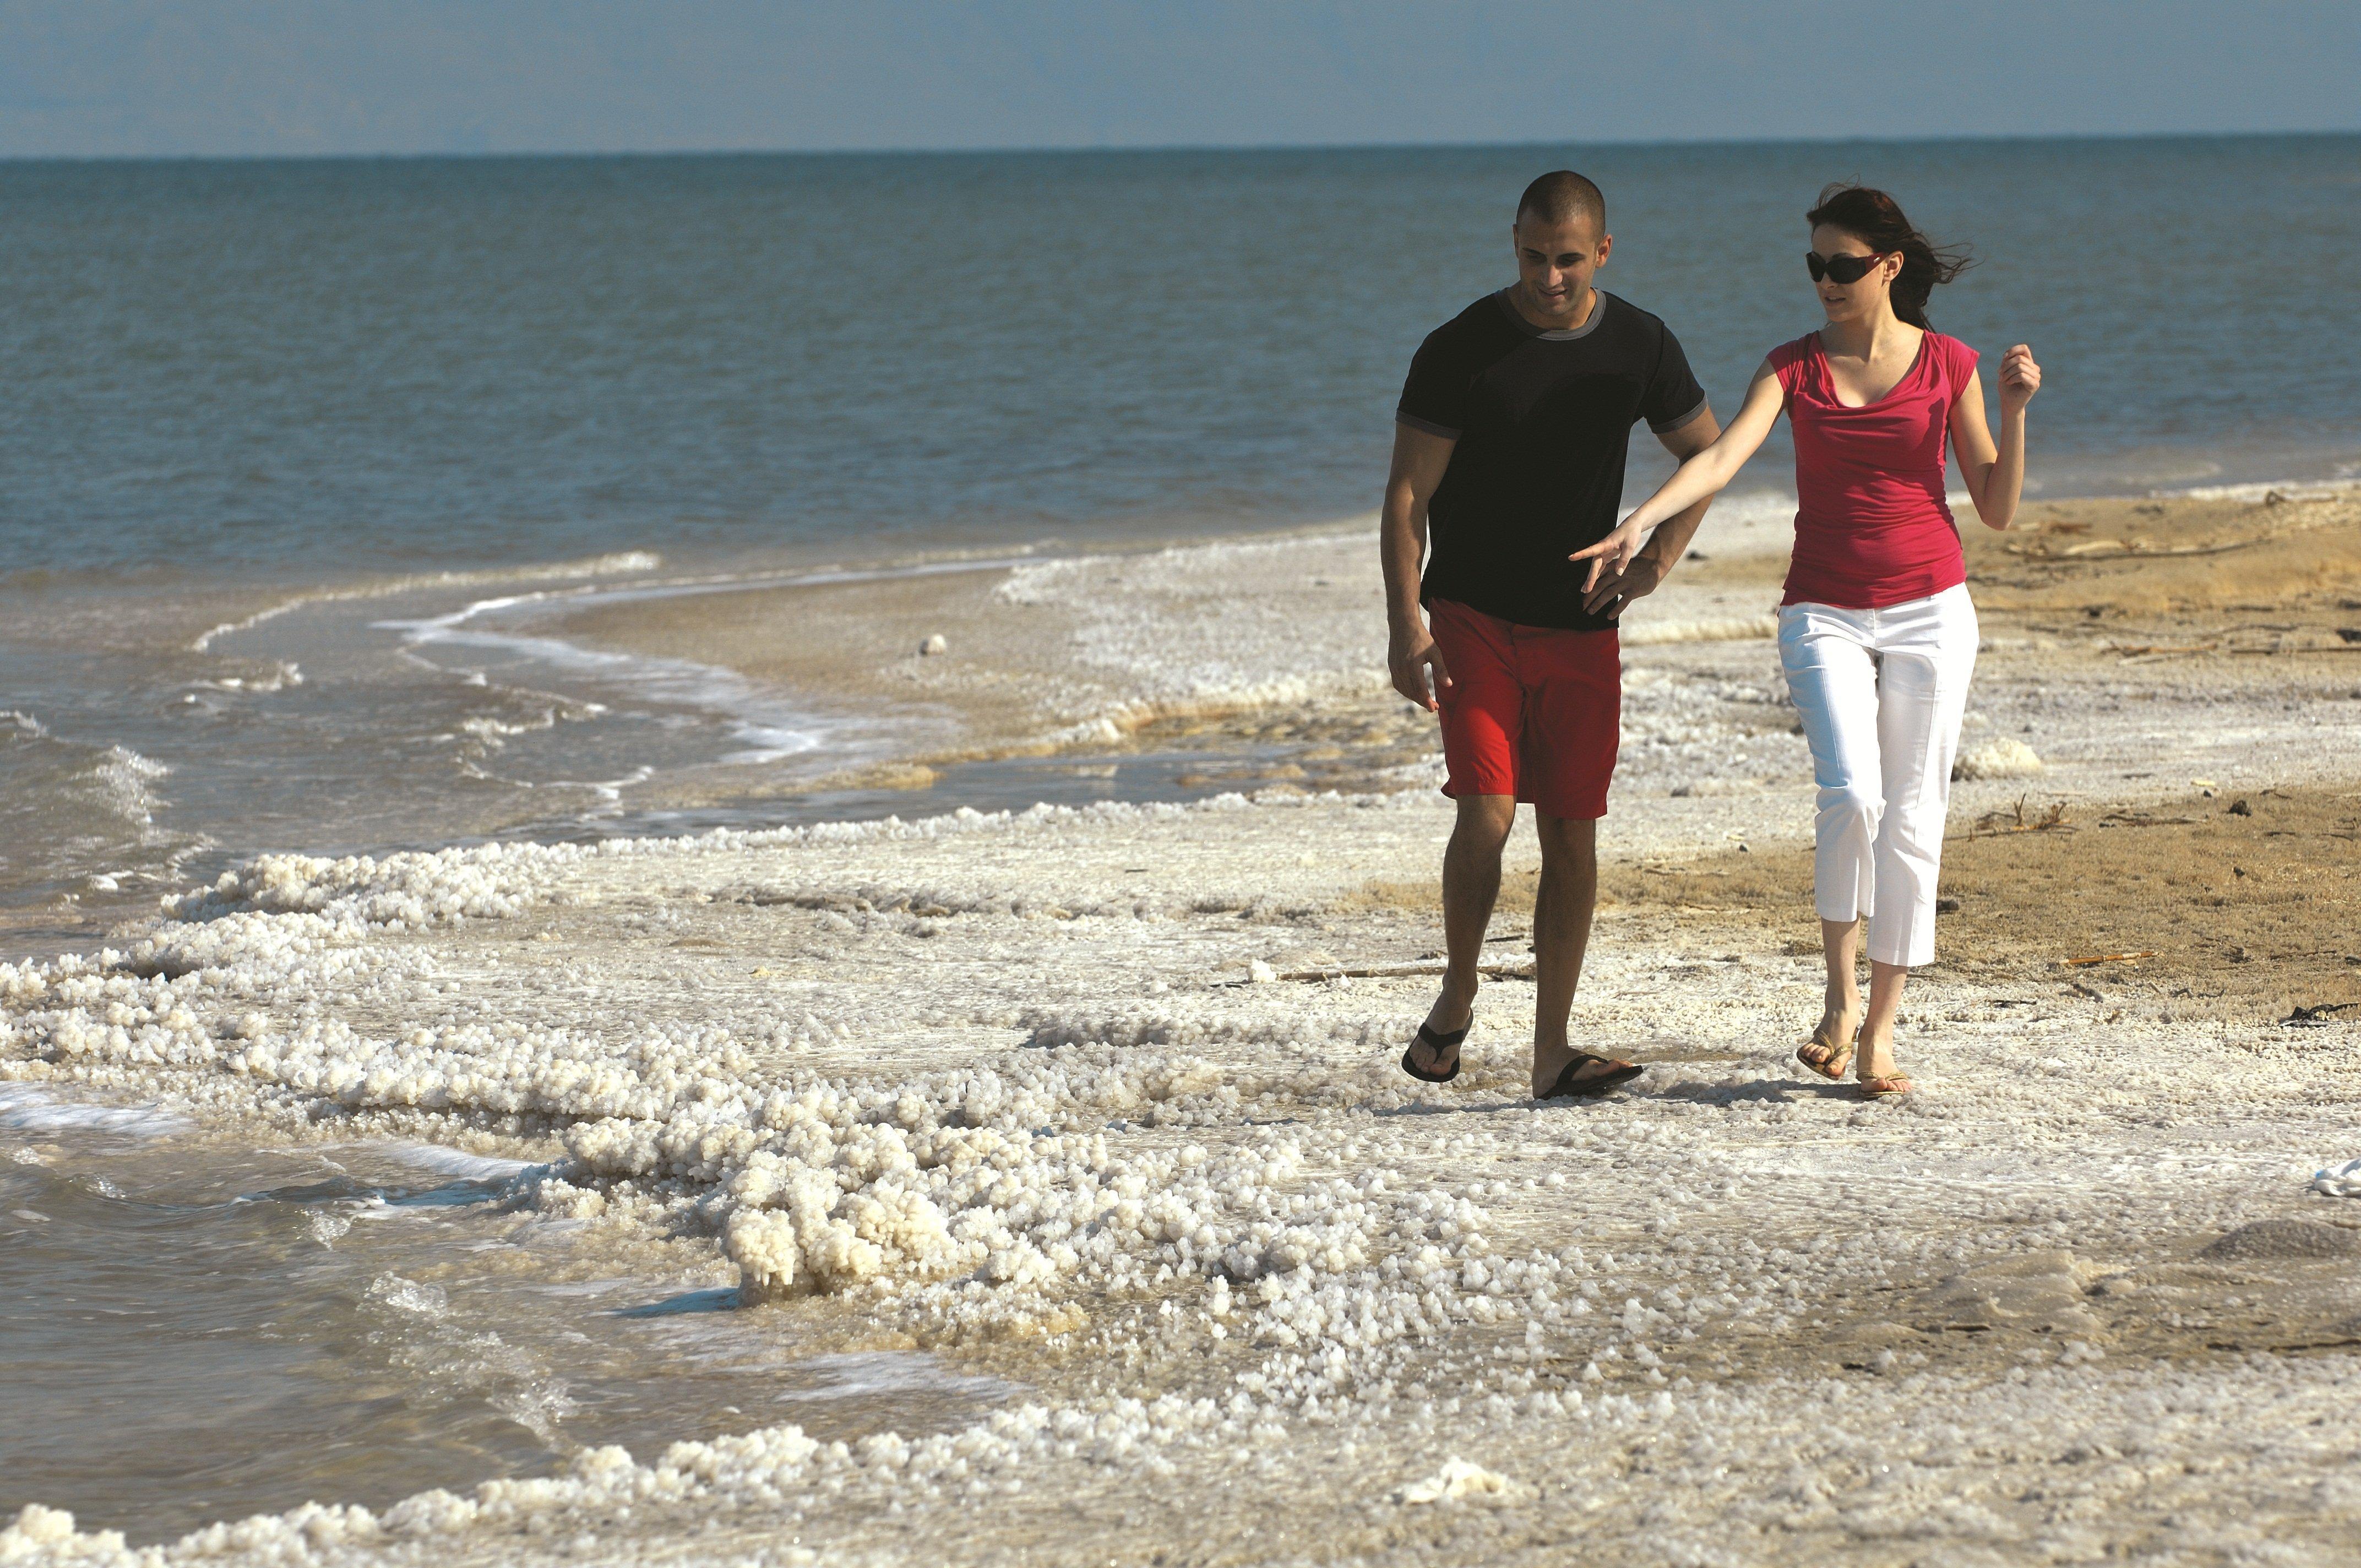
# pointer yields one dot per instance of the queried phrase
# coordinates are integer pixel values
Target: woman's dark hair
(1875, 219)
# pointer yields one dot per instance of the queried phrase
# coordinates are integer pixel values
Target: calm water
(234, 383)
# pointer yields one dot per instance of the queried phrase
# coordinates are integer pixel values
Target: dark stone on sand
(2292, 1239)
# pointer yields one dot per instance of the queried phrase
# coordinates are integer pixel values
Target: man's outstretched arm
(1671, 541)
(1420, 459)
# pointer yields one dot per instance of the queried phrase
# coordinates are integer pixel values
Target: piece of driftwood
(2096, 549)
(1513, 969)
(2108, 958)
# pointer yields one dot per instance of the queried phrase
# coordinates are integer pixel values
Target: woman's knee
(1855, 805)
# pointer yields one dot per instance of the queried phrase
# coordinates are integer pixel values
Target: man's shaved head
(1561, 196)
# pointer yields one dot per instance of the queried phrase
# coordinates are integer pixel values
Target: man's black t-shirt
(1543, 422)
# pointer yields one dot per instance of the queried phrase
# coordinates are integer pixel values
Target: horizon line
(1078, 149)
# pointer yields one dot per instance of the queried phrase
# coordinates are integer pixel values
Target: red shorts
(1531, 711)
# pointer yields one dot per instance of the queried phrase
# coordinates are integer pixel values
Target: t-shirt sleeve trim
(1428, 425)
(1963, 365)
(1670, 425)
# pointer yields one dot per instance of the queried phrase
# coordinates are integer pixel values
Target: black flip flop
(1569, 1087)
(1435, 1042)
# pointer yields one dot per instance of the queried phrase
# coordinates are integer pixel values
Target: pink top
(1871, 526)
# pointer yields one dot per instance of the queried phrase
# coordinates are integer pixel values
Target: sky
(178, 78)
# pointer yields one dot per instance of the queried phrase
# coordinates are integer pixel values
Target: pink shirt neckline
(1829, 378)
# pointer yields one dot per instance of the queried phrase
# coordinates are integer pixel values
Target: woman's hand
(1612, 553)
(2020, 378)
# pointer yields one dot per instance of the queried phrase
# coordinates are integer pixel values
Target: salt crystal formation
(1085, 1097)
(2005, 758)
(1459, 1479)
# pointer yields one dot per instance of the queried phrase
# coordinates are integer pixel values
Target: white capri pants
(1882, 693)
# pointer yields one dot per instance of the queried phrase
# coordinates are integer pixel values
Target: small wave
(283, 673)
(409, 1295)
(123, 776)
(614, 563)
(769, 731)
(2286, 489)
(864, 1374)
(449, 1161)
(25, 1109)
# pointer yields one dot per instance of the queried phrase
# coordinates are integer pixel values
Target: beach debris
(2239, 807)
(1259, 972)
(2040, 550)
(937, 643)
(1514, 969)
(2006, 757)
(1459, 1479)
(2014, 820)
(2108, 958)
(2315, 1017)
(2339, 1180)
(2204, 786)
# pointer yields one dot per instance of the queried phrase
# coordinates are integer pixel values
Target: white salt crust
(2004, 758)
(1010, 1080)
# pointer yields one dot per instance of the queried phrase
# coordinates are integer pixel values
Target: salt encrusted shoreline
(1025, 1090)
(1016, 1101)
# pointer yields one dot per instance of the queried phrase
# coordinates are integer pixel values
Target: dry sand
(1038, 1094)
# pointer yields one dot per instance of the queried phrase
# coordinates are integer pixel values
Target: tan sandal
(1832, 1066)
(1886, 1085)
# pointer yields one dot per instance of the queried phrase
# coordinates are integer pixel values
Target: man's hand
(1611, 594)
(1408, 653)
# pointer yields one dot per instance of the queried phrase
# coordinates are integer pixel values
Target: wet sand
(1102, 1103)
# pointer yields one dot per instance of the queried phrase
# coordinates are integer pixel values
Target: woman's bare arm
(1993, 472)
(1700, 479)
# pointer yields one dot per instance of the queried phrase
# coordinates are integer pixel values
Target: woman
(1876, 634)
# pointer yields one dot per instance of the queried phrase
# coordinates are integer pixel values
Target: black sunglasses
(1838, 269)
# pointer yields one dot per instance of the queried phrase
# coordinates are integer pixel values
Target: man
(1510, 443)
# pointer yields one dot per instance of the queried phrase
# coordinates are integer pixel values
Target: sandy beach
(1094, 1110)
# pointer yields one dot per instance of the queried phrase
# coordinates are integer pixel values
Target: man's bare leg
(1471, 885)
(1562, 911)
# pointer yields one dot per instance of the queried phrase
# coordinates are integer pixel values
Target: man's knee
(1569, 844)
(1485, 821)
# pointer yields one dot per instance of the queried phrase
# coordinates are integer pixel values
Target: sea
(281, 442)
